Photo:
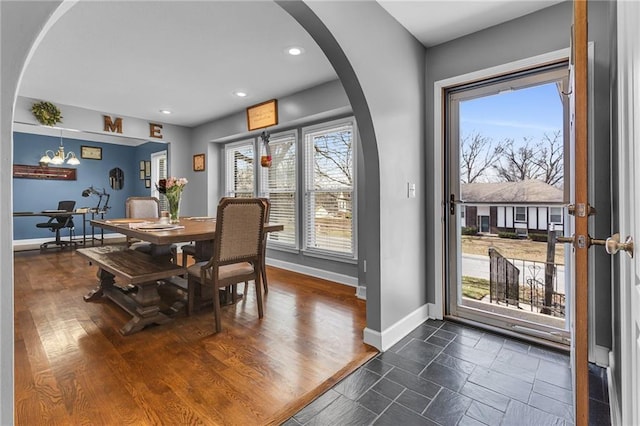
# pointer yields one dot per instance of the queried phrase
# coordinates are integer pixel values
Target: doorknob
(612, 244)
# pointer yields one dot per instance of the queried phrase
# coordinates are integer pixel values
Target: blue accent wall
(36, 195)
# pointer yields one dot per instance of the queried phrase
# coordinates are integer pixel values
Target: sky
(528, 112)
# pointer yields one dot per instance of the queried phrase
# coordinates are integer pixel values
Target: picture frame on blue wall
(142, 176)
(147, 183)
(142, 165)
(147, 168)
(90, 152)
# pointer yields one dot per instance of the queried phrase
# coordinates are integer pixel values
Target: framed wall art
(91, 152)
(198, 163)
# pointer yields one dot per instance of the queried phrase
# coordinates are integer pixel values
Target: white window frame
(515, 214)
(560, 215)
(307, 189)
(229, 190)
(263, 177)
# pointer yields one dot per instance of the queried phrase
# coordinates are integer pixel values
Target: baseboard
(392, 335)
(614, 399)
(314, 272)
(34, 243)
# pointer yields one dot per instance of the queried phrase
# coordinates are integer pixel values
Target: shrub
(538, 237)
(469, 230)
(511, 235)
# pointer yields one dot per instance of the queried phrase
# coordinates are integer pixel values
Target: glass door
(506, 156)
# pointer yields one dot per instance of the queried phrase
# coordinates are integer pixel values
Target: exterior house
(523, 207)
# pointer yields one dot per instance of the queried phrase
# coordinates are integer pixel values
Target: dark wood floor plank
(74, 367)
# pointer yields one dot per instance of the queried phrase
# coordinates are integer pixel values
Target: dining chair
(147, 208)
(263, 266)
(187, 250)
(57, 223)
(237, 252)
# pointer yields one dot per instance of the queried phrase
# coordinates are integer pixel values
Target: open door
(581, 211)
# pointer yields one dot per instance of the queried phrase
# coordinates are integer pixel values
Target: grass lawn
(474, 288)
(512, 249)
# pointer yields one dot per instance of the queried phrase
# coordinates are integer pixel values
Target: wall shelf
(23, 171)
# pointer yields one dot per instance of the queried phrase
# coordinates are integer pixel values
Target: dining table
(140, 297)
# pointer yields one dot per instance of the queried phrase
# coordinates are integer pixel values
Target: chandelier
(59, 157)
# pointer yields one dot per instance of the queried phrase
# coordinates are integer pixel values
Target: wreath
(46, 113)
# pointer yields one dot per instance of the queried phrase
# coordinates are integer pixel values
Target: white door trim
(629, 208)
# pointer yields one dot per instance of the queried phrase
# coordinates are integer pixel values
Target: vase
(174, 207)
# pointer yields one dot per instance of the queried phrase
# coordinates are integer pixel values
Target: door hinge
(581, 210)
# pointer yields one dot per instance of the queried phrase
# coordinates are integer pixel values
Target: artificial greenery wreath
(46, 113)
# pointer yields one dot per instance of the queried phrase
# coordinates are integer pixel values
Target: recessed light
(165, 111)
(295, 51)
(240, 94)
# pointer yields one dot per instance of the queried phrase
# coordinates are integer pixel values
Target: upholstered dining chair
(263, 266)
(237, 252)
(147, 208)
(57, 223)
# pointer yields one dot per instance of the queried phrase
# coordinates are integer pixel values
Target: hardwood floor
(72, 366)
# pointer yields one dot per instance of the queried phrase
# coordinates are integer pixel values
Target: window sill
(329, 256)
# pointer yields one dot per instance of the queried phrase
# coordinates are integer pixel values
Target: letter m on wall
(112, 126)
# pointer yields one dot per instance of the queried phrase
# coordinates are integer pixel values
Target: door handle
(452, 204)
(612, 244)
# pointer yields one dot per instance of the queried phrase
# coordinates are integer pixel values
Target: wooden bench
(130, 279)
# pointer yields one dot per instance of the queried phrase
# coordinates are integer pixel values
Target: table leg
(105, 280)
(147, 309)
(142, 301)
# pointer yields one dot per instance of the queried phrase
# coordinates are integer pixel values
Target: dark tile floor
(444, 373)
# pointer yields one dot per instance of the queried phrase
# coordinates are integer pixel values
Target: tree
(550, 158)
(477, 155)
(542, 160)
(517, 163)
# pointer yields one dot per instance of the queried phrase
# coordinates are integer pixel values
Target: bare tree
(518, 163)
(542, 160)
(333, 159)
(550, 158)
(477, 155)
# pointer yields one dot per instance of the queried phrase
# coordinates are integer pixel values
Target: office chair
(59, 222)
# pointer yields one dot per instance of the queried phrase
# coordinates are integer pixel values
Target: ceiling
(131, 59)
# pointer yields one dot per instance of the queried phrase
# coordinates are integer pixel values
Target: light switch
(411, 190)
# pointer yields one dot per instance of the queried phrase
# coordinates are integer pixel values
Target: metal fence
(527, 284)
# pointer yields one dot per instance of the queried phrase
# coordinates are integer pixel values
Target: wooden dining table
(119, 263)
(202, 230)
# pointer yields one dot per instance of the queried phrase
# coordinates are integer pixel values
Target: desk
(55, 214)
(145, 308)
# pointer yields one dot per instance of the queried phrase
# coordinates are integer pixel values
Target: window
(555, 215)
(279, 184)
(329, 174)
(159, 171)
(239, 165)
(521, 214)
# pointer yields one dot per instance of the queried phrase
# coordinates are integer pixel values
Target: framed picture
(142, 176)
(262, 115)
(142, 165)
(147, 168)
(147, 183)
(91, 152)
(198, 163)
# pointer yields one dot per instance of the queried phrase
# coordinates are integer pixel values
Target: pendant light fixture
(59, 157)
